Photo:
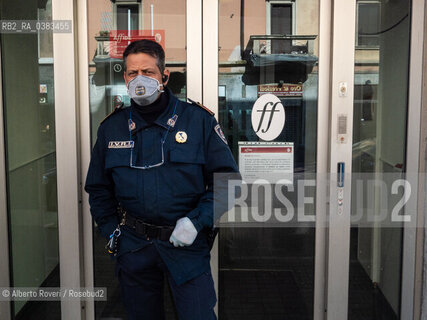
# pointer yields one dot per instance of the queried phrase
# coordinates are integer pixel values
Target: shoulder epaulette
(116, 109)
(201, 106)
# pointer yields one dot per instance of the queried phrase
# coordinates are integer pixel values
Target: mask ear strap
(161, 87)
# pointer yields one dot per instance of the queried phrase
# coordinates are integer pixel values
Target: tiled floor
(365, 301)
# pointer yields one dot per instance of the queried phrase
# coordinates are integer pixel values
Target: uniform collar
(162, 120)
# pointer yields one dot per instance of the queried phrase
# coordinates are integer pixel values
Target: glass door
(268, 84)
(371, 250)
(379, 154)
(270, 108)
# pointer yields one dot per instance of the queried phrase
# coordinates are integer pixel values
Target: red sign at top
(120, 39)
(266, 150)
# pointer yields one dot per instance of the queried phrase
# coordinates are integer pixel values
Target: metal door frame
(411, 285)
(338, 238)
(67, 157)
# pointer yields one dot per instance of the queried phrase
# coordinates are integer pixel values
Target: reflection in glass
(29, 113)
(266, 270)
(379, 135)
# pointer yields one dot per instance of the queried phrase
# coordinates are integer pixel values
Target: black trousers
(141, 275)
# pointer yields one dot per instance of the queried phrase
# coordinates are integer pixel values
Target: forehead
(137, 61)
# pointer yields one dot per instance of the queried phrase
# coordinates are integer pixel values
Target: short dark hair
(149, 47)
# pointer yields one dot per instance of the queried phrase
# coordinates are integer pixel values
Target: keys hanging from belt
(113, 244)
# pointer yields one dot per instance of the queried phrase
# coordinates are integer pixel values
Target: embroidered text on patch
(120, 144)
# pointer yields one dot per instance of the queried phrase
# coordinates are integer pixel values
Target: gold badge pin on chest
(181, 137)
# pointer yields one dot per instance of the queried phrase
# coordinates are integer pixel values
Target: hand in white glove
(184, 233)
(175, 241)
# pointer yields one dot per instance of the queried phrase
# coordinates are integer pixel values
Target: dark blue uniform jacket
(182, 186)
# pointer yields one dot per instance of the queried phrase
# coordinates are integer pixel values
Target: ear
(124, 77)
(165, 77)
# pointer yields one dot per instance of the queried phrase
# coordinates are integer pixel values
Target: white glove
(184, 233)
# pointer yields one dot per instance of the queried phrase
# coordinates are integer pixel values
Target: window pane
(127, 17)
(29, 114)
(379, 144)
(281, 23)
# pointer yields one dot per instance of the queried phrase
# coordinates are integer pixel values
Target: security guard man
(155, 161)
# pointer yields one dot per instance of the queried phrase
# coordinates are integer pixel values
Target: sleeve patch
(220, 133)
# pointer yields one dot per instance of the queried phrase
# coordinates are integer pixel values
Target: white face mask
(144, 90)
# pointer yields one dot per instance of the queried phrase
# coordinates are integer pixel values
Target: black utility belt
(149, 231)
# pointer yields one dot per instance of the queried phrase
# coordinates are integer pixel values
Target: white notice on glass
(271, 161)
